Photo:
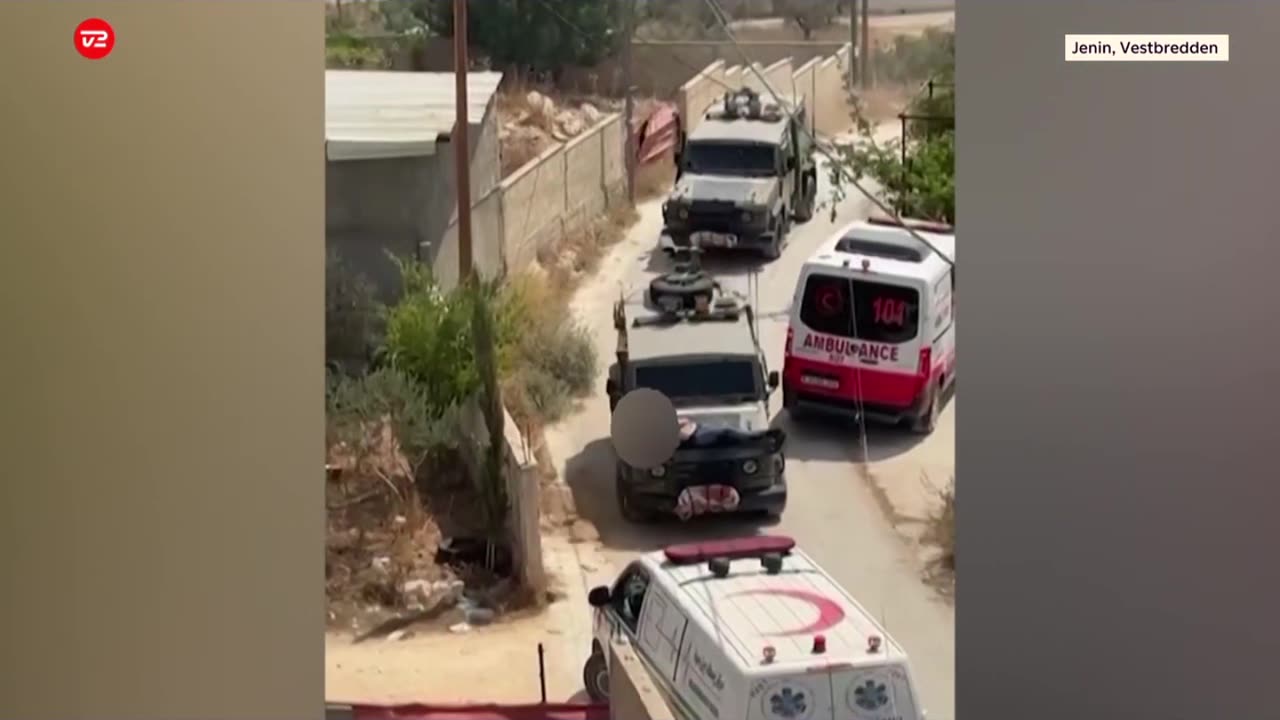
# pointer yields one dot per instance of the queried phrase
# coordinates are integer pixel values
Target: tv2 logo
(95, 38)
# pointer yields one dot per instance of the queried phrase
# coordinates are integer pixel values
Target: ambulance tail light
(926, 362)
(790, 335)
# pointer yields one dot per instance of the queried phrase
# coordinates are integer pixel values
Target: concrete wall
(408, 206)
(632, 693)
(561, 190)
(818, 81)
(659, 66)
(521, 473)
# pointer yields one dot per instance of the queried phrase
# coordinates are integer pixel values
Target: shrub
(546, 358)
(356, 406)
(428, 337)
(943, 526)
(913, 59)
(921, 184)
(352, 320)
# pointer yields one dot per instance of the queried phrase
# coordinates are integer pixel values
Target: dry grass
(880, 104)
(543, 294)
(940, 532)
(379, 531)
(577, 254)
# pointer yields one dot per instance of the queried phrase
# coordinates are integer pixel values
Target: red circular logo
(95, 38)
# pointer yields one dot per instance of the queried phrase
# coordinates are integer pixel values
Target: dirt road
(856, 520)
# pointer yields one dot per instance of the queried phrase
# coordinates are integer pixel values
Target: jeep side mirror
(791, 164)
(773, 379)
(599, 596)
(611, 387)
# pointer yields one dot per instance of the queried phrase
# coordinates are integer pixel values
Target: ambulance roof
(750, 609)
(888, 250)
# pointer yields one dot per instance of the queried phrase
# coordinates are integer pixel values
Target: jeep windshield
(702, 382)
(730, 159)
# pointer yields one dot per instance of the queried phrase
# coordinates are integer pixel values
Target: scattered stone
(382, 564)
(584, 531)
(448, 591)
(460, 628)
(400, 520)
(399, 635)
(419, 590)
(540, 104)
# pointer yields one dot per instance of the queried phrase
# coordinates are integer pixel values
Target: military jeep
(699, 346)
(744, 173)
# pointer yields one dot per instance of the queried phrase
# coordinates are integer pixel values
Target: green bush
(564, 350)
(352, 321)
(345, 50)
(546, 358)
(428, 337)
(919, 182)
(352, 404)
(914, 59)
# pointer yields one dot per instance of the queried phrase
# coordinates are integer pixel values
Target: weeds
(942, 526)
(352, 321)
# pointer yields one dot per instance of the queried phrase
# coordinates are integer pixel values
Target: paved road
(836, 511)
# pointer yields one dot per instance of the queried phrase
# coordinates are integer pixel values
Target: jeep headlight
(747, 216)
(658, 471)
(682, 212)
(749, 467)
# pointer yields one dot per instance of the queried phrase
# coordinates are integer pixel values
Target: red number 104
(889, 311)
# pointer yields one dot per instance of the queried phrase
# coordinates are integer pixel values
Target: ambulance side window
(628, 596)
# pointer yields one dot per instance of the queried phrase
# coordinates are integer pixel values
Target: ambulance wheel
(925, 423)
(595, 678)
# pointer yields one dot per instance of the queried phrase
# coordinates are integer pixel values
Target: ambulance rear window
(880, 312)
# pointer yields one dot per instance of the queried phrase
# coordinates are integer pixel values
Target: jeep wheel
(595, 678)
(773, 250)
(626, 508)
(804, 210)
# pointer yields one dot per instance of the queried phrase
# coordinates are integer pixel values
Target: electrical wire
(722, 20)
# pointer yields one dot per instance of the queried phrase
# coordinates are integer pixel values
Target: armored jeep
(698, 346)
(744, 173)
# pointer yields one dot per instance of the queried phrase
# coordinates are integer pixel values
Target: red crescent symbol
(830, 613)
(829, 300)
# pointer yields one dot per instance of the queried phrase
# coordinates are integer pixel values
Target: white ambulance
(750, 629)
(872, 332)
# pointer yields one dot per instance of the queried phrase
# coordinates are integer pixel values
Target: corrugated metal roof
(381, 114)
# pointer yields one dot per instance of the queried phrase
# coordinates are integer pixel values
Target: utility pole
(628, 138)
(867, 52)
(459, 141)
(854, 62)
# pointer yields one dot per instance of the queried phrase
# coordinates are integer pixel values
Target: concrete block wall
(561, 190)
(701, 91)
(820, 81)
(408, 207)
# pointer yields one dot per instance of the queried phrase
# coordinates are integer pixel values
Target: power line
(836, 165)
